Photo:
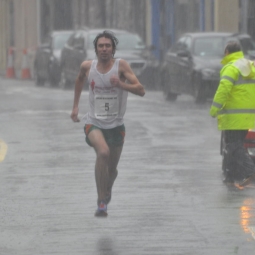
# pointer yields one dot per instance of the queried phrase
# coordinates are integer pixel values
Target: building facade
(171, 18)
(4, 32)
(24, 24)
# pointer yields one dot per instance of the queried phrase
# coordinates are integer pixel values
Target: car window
(184, 43)
(188, 42)
(70, 41)
(126, 42)
(47, 40)
(76, 39)
(130, 42)
(208, 47)
(79, 41)
(248, 45)
(60, 40)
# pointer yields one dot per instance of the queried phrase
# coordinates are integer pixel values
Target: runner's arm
(134, 86)
(78, 89)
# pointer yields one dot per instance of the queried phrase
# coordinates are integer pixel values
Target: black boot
(228, 177)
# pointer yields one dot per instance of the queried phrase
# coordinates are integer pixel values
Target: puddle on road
(247, 216)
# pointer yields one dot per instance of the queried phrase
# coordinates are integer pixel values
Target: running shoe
(107, 197)
(101, 210)
(246, 180)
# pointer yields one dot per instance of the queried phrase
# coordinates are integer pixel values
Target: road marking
(252, 230)
(3, 150)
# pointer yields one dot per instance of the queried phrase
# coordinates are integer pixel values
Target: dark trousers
(238, 161)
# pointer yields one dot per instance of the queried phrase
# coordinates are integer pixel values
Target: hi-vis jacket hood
(234, 100)
(242, 64)
(232, 57)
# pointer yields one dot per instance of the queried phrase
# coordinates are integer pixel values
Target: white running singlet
(107, 103)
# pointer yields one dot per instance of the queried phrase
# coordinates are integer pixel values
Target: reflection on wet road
(3, 150)
(247, 216)
(169, 198)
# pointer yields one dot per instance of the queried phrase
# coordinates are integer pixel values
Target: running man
(109, 80)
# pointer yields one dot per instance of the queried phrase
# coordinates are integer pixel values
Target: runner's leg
(115, 153)
(97, 141)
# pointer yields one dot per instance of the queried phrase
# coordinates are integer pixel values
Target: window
(184, 43)
(126, 42)
(130, 42)
(247, 45)
(60, 40)
(79, 42)
(70, 41)
(209, 47)
(188, 43)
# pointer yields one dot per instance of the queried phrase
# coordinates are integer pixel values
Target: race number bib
(106, 106)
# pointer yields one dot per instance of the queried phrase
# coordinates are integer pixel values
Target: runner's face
(104, 48)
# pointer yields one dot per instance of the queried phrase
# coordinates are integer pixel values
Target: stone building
(24, 24)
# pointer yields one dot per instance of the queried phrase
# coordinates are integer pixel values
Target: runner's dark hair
(110, 35)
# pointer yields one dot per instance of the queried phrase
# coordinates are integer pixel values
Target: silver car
(192, 65)
(131, 47)
(47, 58)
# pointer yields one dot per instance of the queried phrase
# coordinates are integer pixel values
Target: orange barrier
(10, 73)
(25, 72)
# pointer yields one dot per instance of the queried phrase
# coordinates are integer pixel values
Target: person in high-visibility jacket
(234, 107)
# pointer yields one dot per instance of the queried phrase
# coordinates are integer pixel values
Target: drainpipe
(155, 4)
(148, 23)
(170, 9)
(22, 25)
(38, 8)
(202, 15)
(212, 15)
(244, 15)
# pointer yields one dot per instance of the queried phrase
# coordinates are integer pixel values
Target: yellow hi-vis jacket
(234, 100)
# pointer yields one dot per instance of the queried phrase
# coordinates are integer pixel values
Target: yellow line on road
(3, 150)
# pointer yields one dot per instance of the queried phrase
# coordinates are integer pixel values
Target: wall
(209, 15)
(4, 32)
(133, 15)
(25, 33)
(227, 16)
(123, 14)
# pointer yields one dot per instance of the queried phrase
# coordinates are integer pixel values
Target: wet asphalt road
(168, 198)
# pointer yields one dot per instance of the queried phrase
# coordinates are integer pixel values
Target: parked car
(47, 58)
(249, 145)
(192, 65)
(131, 47)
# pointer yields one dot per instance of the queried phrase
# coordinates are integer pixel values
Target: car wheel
(170, 96)
(63, 81)
(38, 80)
(199, 91)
